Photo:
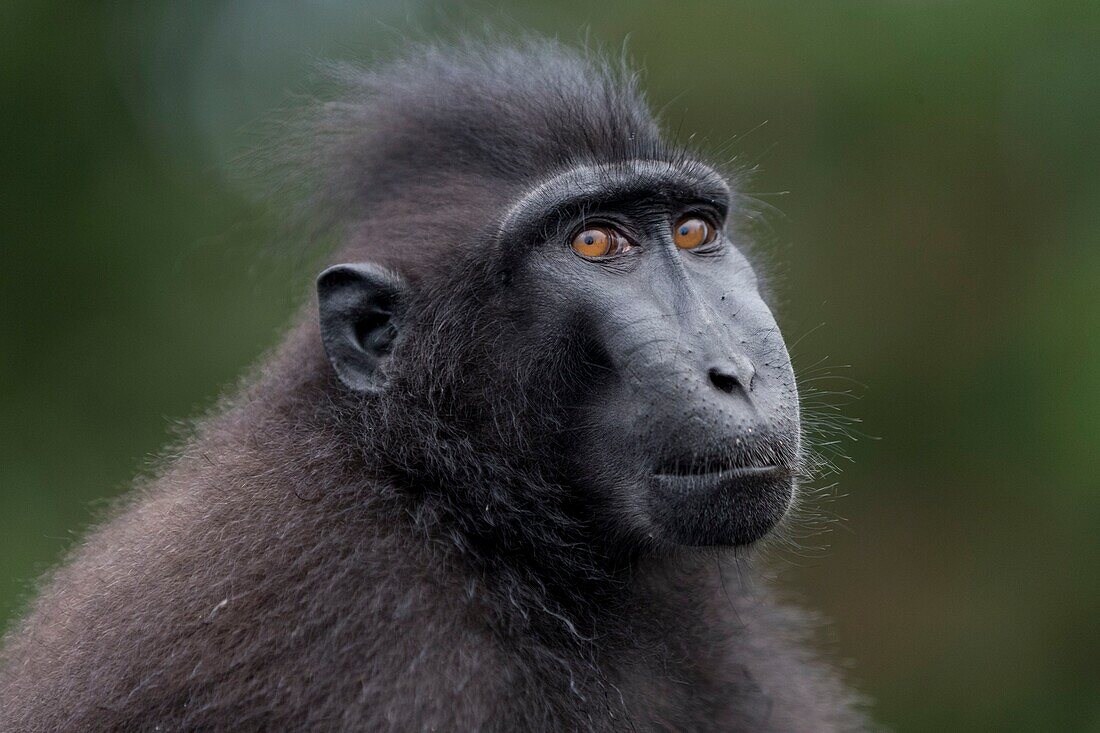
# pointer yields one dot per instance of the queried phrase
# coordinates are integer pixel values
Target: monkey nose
(732, 374)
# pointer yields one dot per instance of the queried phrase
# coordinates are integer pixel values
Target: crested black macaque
(496, 476)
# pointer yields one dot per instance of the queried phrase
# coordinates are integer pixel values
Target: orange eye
(600, 242)
(691, 232)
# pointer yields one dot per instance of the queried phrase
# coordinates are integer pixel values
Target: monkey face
(690, 428)
(703, 415)
(609, 331)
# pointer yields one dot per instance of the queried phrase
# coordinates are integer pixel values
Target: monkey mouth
(718, 504)
(713, 467)
(725, 480)
(719, 471)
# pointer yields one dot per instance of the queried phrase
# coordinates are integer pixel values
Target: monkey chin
(728, 508)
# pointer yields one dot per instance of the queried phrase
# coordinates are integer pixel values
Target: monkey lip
(715, 466)
(731, 506)
(731, 475)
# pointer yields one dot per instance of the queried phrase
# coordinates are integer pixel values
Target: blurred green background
(936, 183)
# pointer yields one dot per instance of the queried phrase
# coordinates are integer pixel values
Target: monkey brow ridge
(589, 180)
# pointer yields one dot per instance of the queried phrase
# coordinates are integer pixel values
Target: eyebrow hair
(586, 182)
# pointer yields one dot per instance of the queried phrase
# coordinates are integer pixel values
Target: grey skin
(696, 436)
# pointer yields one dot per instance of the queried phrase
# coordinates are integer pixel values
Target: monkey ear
(359, 308)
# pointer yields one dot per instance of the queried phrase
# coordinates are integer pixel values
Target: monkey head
(604, 338)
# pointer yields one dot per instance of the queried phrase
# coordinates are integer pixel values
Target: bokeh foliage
(931, 179)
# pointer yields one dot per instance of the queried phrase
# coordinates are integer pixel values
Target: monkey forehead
(595, 183)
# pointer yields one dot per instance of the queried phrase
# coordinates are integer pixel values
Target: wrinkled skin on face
(692, 423)
(651, 388)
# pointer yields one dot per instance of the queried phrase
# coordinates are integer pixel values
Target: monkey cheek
(727, 510)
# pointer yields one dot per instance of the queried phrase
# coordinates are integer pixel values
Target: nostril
(733, 374)
(723, 380)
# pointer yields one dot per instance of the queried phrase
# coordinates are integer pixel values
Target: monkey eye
(691, 232)
(600, 242)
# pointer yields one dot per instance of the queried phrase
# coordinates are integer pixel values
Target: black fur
(318, 559)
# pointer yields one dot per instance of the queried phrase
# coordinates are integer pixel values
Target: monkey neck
(635, 614)
(560, 584)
